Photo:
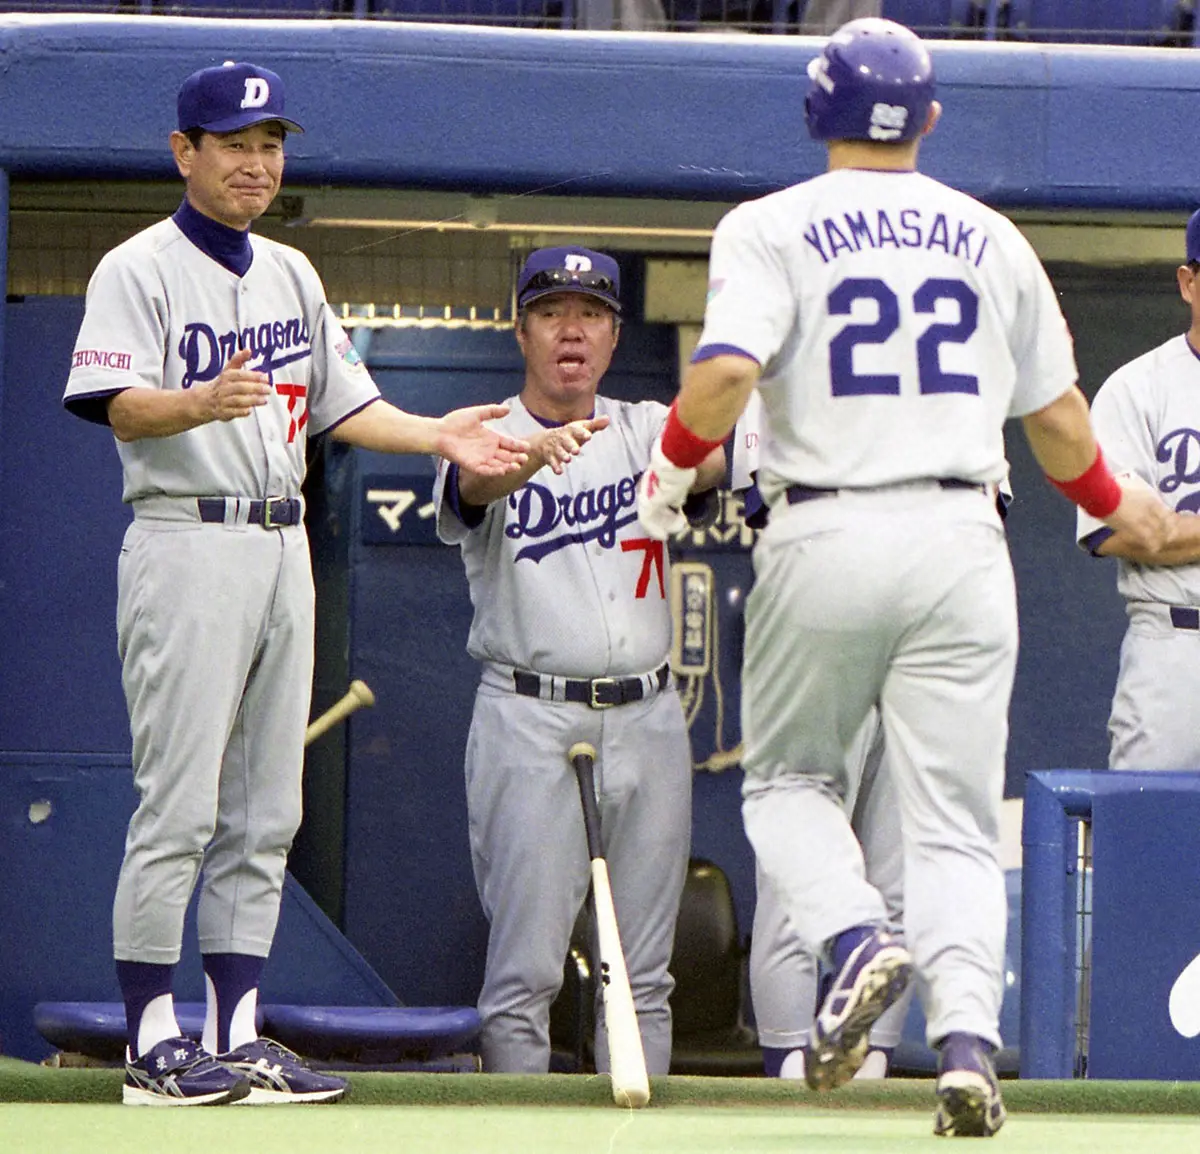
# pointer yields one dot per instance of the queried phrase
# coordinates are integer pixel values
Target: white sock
(793, 1065)
(874, 1066)
(158, 1023)
(242, 1030)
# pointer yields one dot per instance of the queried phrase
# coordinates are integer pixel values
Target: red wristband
(1096, 491)
(680, 445)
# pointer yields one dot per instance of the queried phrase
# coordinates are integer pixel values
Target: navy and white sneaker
(873, 976)
(969, 1104)
(278, 1077)
(178, 1072)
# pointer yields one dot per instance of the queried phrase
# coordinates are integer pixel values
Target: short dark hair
(196, 135)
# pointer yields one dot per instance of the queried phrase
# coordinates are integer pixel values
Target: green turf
(27, 1082)
(344, 1129)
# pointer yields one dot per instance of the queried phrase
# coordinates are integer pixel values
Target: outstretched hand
(558, 445)
(469, 443)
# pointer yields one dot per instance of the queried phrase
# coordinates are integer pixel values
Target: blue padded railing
(1126, 22)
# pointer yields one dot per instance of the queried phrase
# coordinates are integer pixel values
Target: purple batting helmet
(874, 81)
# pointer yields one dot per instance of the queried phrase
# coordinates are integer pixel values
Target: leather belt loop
(1183, 617)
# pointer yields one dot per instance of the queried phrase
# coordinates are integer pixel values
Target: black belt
(797, 494)
(270, 514)
(599, 692)
(1185, 618)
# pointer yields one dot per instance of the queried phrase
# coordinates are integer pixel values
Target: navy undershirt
(229, 247)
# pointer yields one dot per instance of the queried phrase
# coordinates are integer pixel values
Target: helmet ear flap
(810, 116)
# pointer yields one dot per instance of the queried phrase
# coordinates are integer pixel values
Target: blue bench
(437, 1038)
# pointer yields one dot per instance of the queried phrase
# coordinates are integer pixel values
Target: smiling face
(567, 340)
(232, 177)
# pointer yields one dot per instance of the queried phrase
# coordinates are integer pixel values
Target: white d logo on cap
(578, 263)
(258, 92)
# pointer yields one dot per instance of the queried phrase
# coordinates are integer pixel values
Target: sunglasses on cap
(564, 278)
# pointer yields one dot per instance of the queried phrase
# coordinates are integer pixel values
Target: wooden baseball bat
(359, 694)
(630, 1085)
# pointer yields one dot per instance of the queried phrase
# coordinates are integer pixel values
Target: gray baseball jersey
(214, 620)
(898, 324)
(566, 586)
(563, 553)
(163, 314)
(895, 291)
(1147, 418)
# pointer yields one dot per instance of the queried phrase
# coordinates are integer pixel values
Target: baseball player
(213, 355)
(891, 324)
(572, 629)
(1148, 416)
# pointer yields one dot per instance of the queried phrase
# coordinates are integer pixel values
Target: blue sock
(847, 942)
(773, 1060)
(233, 976)
(141, 983)
(965, 1039)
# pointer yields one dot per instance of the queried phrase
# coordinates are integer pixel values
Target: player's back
(898, 321)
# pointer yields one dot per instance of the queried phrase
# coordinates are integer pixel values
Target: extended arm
(460, 436)
(548, 447)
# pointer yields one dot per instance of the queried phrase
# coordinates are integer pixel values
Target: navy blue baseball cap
(1193, 237)
(570, 270)
(231, 97)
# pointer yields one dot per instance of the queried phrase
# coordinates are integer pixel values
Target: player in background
(892, 325)
(1147, 414)
(784, 974)
(572, 628)
(213, 355)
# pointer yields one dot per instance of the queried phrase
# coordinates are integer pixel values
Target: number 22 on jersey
(933, 379)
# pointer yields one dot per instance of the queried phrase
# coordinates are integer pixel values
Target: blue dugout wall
(490, 110)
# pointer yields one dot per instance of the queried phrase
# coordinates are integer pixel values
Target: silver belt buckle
(592, 686)
(268, 505)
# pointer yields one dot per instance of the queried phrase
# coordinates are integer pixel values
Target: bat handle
(583, 757)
